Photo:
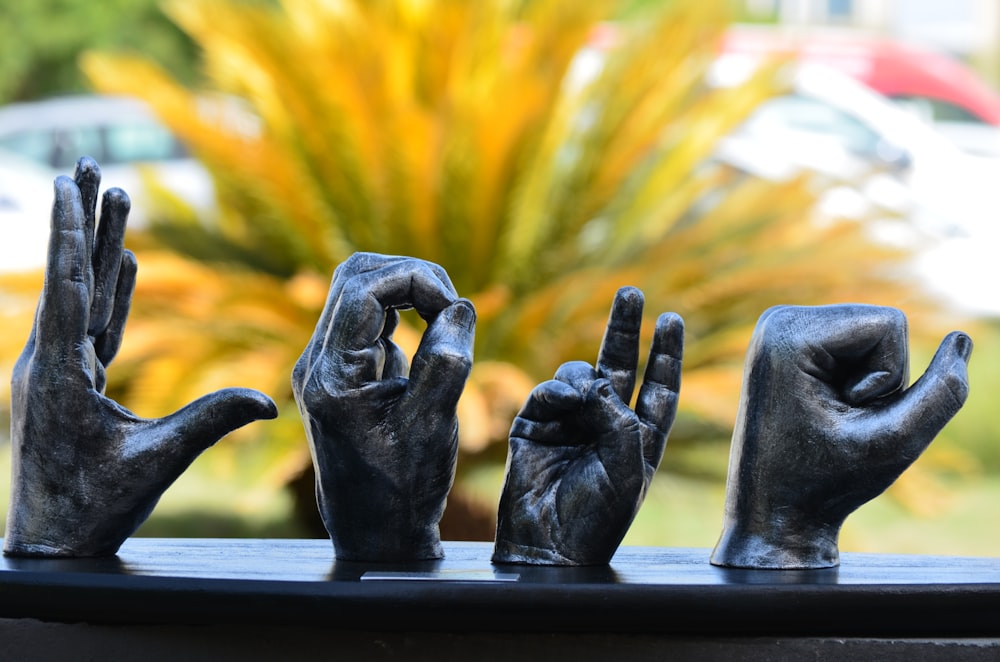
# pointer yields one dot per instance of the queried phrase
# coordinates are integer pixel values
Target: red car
(938, 84)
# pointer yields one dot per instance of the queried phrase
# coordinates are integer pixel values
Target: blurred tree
(42, 40)
(466, 133)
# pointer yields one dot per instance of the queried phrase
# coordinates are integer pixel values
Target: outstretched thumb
(190, 430)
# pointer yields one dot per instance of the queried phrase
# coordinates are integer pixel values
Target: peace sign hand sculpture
(580, 461)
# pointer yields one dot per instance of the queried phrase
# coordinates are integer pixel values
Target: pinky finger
(106, 345)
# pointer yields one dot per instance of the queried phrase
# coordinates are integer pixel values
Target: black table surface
(645, 589)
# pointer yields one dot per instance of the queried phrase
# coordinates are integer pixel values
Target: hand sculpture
(580, 460)
(86, 471)
(384, 445)
(825, 424)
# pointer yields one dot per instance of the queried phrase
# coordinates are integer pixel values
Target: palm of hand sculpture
(86, 471)
(825, 424)
(580, 461)
(385, 444)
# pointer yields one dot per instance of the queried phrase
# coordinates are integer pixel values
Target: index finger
(364, 308)
(355, 264)
(360, 315)
(63, 310)
(619, 354)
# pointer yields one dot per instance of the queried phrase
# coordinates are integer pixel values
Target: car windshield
(803, 114)
(109, 145)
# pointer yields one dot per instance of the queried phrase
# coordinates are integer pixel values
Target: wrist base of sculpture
(392, 548)
(512, 553)
(39, 551)
(740, 547)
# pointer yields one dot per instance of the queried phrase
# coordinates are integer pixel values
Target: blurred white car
(40, 140)
(880, 157)
(25, 212)
(933, 85)
(120, 133)
(834, 125)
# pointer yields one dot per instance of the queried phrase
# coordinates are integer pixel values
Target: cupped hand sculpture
(385, 442)
(826, 423)
(86, 472)
(580, 461)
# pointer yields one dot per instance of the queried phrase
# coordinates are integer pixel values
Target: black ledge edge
(644, 590)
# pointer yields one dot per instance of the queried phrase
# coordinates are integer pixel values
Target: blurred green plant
(460, 132)
(42, 40)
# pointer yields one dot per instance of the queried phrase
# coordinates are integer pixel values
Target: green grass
(681, 512)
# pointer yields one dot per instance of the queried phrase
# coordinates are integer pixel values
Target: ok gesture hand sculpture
(86, 471)
(580, 460)
(385, 444)
(825, 424)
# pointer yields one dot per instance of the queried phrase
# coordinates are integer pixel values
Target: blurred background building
(967, 28)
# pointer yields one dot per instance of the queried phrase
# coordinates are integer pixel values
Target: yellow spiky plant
(459, 132)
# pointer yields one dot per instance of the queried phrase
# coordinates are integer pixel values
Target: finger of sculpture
(186, 433)
(88, 178)
(825, 424)
(356, 324)
(63, 317)
(357, 263)
(543, 416)
(619, 354)
(109, 341)
(862, 350)
(656, 405)
(368, 296)
(934, 399)
(619, 445)
(443, 361)
(108, 251)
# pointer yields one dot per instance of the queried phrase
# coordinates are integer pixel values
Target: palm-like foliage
(452, 131)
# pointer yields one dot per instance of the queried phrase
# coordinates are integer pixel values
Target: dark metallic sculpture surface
(86, 471)
(826, 423)
(580, 460)
(384, 445)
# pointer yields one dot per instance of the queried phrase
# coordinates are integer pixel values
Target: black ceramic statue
(580, 460)
(384, 445)
(86, 471)
(826, 423)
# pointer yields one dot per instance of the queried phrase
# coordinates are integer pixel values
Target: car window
(109, 145)
(804, 114)
(71, 143)
(936, 110)
(33, 145)
(141, 142)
